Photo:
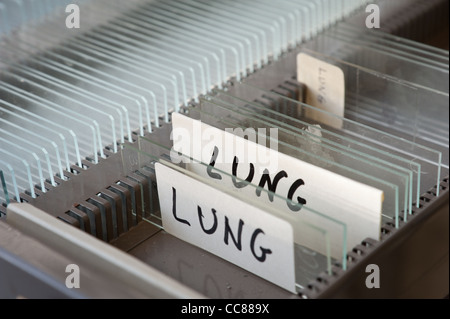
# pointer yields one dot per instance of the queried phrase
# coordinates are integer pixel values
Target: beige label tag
(325, 88)
(227, 227)
(319, 189)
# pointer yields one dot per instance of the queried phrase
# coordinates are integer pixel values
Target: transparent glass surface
(303, 232)
(12, 184)
(401, 64)
(432, 168)
(284, 112)
(4, 190)
(394, 184)
(398, 106)
(382, 58)
(139, 160)
(411, 49)
(314, 137)
(68, 95)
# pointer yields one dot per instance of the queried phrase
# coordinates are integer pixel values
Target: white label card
(325, 88)
(302, 183)
(226, 226)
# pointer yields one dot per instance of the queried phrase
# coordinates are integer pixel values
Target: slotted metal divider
(68, 98)
(66, 94)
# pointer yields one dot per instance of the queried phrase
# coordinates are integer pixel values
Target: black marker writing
(174, 208)
(212, 163)
(200, 218)
(264, 251)
(249, 178)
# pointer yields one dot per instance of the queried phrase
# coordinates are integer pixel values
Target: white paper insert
(325, 88)
(264, 246)
(320, 187)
